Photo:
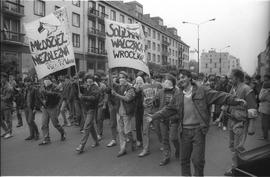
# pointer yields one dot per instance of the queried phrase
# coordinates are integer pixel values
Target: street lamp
(198, 28)
(220, 57)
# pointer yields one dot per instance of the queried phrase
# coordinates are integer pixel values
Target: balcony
(13, 8)
(165, 42)
(97, 51)
(12, 37)
(96, 32)
(96, 13)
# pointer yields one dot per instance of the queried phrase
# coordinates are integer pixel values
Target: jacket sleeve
(94, 94)
(8, 95)
(220, 98)
(169, 110)
(130, 95)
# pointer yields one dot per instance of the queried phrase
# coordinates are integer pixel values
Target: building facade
(87, 28)
(263, 64)
(218, 63)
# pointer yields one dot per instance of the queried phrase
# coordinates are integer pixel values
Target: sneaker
(228, 173)
(19, 125)
(144, 153)
(219, 124)
(3, 135)
(95, 144)
(224, 128)
(8, 135)
(112, 143)
(99, 137)
(139, 144)
(80, 148)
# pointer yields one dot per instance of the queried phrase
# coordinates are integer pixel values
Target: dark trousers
(265, 124)
(30, 119)
(113, 121)
(76, 111)
(19, 115)
(6, 120)
(89, 127)
(139, 123)
(192, 142)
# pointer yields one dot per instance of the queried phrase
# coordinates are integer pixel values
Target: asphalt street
(20, 157)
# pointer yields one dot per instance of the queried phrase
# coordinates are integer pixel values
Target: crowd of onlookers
(90, 99)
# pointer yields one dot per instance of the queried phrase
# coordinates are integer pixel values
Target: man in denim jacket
(192, 105)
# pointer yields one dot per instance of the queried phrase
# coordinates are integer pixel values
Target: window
(154, 58)
(113, 15)
(92, 4)
(206, 65)
(215, 65)
(76, 3)
(75, 19)
(149, 56)
(56, 7)
(172, 52)
(12, 25)
(210, 70)
(149, 44)
(149, 32)
(154, 34)
(76, 40)
(210, 60)
(122, 18)
(158, 36)
(129, 20)
(158, 57)
(101, 9)
(39, 8)
(158, 47)
(154, 46)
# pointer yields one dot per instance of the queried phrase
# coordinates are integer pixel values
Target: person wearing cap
(50, 110)
(89, 101)
(169, 126)
(125, 107)
(192, 106)
(31, 102)
(6, 106)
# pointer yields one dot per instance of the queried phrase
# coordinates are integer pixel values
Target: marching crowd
(178, 107)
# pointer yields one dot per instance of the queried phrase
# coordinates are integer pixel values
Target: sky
(242, 24)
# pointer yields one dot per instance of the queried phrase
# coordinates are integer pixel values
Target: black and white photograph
(135, 87)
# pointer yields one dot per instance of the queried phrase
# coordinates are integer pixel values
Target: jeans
(146, 132)
(6, 120)
(30, 118)
(265, 124)
(99, 120)
(192, 141)
(124, 130)
(89, 127)
(64, 107)
(47, 114)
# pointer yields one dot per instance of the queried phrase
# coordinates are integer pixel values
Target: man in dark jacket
(6, 106)
(50, 110)
(30, 104)
(192, 106)
(89, 100)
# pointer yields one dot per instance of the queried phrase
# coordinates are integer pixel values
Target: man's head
(97, 77)
(47, 81)
(89, 79)
(185, 78)
(170, 81)
(123, 78)
(27, 81)
(223, 78)
(237, 76)
(4, 78)
(258, 78)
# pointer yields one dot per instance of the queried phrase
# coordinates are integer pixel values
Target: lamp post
(220, 57)
(198, 29)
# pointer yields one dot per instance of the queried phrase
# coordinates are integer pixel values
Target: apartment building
(218, 63)
(163, 45)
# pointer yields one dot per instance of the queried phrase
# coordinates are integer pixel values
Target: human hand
(148, 118)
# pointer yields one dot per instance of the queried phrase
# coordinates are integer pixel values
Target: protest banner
(125, 45)
(50, 43)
